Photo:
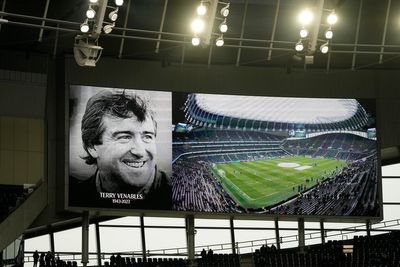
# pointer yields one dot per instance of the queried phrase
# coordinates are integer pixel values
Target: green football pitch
(261, 183)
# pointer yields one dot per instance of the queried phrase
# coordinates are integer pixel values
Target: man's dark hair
(115, 104)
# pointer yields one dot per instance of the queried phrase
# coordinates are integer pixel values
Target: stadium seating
(374, 251)
(10, 197)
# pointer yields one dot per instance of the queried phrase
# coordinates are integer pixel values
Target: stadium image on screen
(275, 155)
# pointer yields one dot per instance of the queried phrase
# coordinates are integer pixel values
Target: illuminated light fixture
(219, 41)
(324, 48)
(329, 34)
(305, 17)
(195, 41)
(90, 13)
(198, 25)
(332, 18)
(299, 46)
(119, 2)
(303, 33)
(93, 1)
(108, 28)
(113, 15)
(225, 11)
(84, 26)
(223, 27)
(201, 10)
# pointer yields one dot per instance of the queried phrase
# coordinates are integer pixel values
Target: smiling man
(119, 136)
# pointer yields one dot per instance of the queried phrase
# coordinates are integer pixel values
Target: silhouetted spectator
(210, 254)
(203, 253)
(35, 258)
(112, 260)
(118, 260)
(41, 260)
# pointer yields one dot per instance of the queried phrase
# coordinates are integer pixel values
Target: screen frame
(209, 215)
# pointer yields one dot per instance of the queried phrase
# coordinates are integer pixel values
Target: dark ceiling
(249, 41)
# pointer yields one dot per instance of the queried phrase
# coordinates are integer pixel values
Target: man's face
(127, 155)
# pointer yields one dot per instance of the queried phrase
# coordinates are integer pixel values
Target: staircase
(22, 217)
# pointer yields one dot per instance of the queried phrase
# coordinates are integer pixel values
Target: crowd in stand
(373, 251)
(209, 259)
(195, 189)
(339, 195)
(119, 261)
(340, 146)
(49, 260)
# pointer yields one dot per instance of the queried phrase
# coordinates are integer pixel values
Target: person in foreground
(119, 136)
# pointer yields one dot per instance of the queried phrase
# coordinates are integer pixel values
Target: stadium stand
(370, 251)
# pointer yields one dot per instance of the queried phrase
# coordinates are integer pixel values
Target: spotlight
(324, 48)
(329, 34)
(90, 13)
(299, 46)
(113, 15)
(85, 26)
(225, 11)
(332, 18)
(198, 25)
(119, 2)
(303, 33)
(223, 27)
(201, 10)
(93, 1)
(195, 41)
(219, 41)
(305, 17)
(108, 28)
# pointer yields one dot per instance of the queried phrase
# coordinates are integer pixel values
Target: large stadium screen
(242, 155)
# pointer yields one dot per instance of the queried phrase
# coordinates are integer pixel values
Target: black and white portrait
(119, 148)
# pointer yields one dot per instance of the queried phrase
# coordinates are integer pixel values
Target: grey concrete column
(232, 228)
(85, 238)
(278, 239)
(190, 232)
(143, 236)
(301, 234)
(321, 225)
(98, 247)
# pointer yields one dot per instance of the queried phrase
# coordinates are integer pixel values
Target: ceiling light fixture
(90, 13)
(332, 18)
(198, 25)
(299, 46)
(223, 27)
(306, 17)
(113, 15)
(220, 41)
(119, 2)
(84, 26)
(108, 28)
(329, 34)
(201, 9)
(195, 41)
(324, 48)
(225, 11)
(303, 33)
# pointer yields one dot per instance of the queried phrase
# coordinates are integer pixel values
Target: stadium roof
(279, 109)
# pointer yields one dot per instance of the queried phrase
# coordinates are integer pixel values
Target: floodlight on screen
(324, 48)
(84, 26)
